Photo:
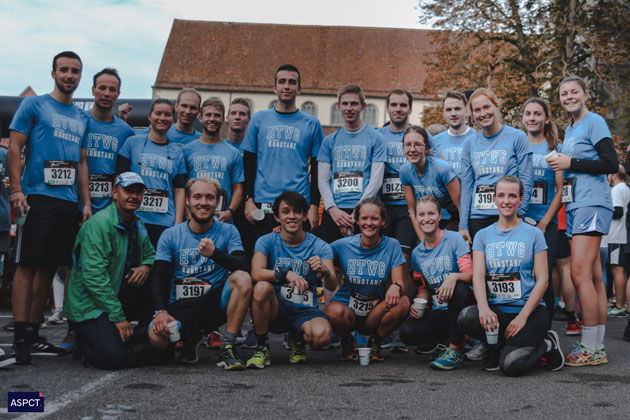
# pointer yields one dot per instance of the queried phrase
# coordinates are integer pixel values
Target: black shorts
(399, 226)
(616, 256)
(200, 313)
(564, 246)
(328, 229)
(49, 232)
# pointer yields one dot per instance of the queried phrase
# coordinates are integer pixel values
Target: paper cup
(364, 355)
(551, 154)
(492, 336)
(420, 304)
(258, 215)
(174, 329)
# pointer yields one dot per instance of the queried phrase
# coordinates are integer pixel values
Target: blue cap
(127, 179)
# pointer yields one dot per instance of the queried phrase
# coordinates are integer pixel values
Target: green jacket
(99, 257)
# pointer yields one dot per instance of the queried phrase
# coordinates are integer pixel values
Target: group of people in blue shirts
(441, 237)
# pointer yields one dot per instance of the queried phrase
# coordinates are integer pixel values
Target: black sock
(262, 340)
(570, 316)
(20, 332)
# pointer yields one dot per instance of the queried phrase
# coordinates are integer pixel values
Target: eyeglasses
(418, 146)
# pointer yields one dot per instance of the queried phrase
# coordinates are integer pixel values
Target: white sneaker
(478, 352)
(56, 317)
(5, 360)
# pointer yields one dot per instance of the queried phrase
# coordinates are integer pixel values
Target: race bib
(568, 188)
(346, 182)
(392, 189)
(504, 286)
(289, 295)
(361, 305)
(484, 197)
(539, 192)
(266, 208)
(60, 172)
(437, 303)
(155, 201)
(222, 201)
(101, 185)
(190, 287)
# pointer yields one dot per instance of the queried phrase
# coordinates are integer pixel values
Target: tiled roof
(227, 56)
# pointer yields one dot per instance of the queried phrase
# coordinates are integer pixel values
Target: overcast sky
(131, 34)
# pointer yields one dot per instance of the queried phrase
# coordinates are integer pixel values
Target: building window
(336, 118)
(369, 115)
(310, 108)
(273, 103)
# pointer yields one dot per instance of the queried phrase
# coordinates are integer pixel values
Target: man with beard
(187, 109)
(53, 131)
(106, 135)
(112, 253)
(238, 120)
(209, 156)
(278, 146)
(200, 278)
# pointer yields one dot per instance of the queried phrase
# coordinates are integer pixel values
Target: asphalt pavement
(402, 387)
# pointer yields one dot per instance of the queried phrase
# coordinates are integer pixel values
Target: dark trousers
(475, 225)
(436, 326)
(519, 353)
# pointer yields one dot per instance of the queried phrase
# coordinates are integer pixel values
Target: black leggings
(520, 352)
(436, 326)
(552, 239)
(475, 225)
(100, 343)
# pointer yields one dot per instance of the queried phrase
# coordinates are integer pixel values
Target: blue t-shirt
(508, 253)
(544, 183)
(350, 156)
(104, 139)
(158, 165)
(435, 264)
(366, 271)
(180, 138)
(219, 161)
(436, 177)
(485, 160)
(56, 132)
(5, 212)
(179, 246)
(579, 142)
(279, 254)
(449, 148)
(391, 193)
(237, 146)
(283, 143)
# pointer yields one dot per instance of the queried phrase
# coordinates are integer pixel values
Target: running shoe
(580, 356)
(9, 326)
(229, 358)
(387, 341)
(554, 357)
(450, 359)
(491, 362)
(626, 332)
(397, 346)
(348, 350)
(179, 345)
(298, 351)
(69, 342)
(614, 312)
(214, 340)
(56, 317)
(250, 340)
(41, 347)
(600, 356)
(285, 341)
(6, 360)
(574, 328)
(189, 353)
(260, 359)
(437, 351)
(334, 343)
(20, 352)
(425, 349)
(478, 352)
(375, 354)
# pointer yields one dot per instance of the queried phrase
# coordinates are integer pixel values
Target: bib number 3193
(504, 286)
